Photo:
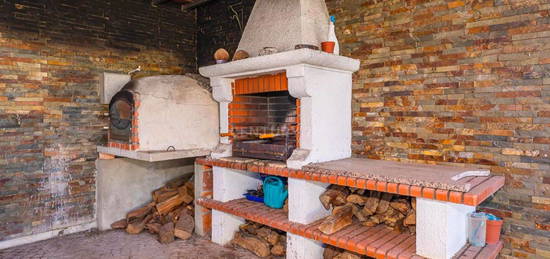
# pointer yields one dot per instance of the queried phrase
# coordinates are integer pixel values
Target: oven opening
(264, 125)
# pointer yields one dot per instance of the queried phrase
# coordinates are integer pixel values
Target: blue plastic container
(275, 192)
(251, 197)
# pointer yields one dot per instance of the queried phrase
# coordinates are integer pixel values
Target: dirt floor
(118, 244)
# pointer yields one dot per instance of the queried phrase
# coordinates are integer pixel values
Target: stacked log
(168, 215)
(368, 207)
(332, 252)
(261, 240)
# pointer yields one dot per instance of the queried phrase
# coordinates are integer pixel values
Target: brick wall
(51, 53)
(458, 82)
(218, 27)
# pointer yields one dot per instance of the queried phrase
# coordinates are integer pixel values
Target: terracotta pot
(493, 231)
(328, 46)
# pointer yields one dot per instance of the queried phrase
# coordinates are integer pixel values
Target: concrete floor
(118, 244)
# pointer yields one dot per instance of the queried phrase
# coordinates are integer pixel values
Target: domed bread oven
(163, 113)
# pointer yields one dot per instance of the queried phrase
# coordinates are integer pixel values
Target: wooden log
(347, 255)
(413, 203)
(177, 182)
(372, 203)
(410, 220)
(356, 199)
(166, 206)
(331, 252)
(278, 250)
(335, 222)
(249, 228)
(373, 221)
(166, 233)
(254, 244)
(153, 228)
(268, 235)
(334, 196)
(186, 194)
(138, 225)
(358, 212)
(384, 203)
(402, 205)
(140, 212)
(163, 194)
(119, 224)
(184, 227)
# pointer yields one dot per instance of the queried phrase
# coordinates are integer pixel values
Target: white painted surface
(110, 84)
(278, 62)
(285, 23)
(175, 111)
(47, 235)
(298, 247)
(441, 228)
(303, 201)
(154, 156)
(224, 227)
(198, 189)
(230, 184)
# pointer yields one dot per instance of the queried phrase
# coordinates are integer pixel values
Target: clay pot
(492, 235)
(328, 46)
(240, 54)
(221, 54)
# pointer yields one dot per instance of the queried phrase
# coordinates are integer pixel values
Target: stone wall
(462, 82)
(51, 54)
(218, 27)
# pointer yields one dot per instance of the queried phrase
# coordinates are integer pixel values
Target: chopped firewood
(166, 233)
(347, 255)
(384, 203)
(413, 204)
(335, 196)
(175, 183)
(410, 219)
(372, 221)
(402, 205)
(163, 194)
(184, 227)
(190, 187)
(331, 252)
(186, 194)
(391, 216)
(153, 228)
(337, 221)
(278, 250)
(285, 207)
(412, 229)
(140, 212)
(256, 245)
(249, 227)
(358, 212)
(268, 235)
(138, 225)
(166, 206)
(119, 224)
(357, 199)
(372, 203)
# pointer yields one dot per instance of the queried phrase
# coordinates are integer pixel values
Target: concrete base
(303, 201)
(47, 235)
(224, 227)
(298, 247)
(125, 184)
(442, 228)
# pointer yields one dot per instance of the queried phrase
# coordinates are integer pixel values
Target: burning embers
(263, 118)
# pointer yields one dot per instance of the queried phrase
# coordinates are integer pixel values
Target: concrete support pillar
(304, 207)
(298, 247)
(441, 228)
(229, 184)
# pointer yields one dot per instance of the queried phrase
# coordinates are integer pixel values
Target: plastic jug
(476, 229)
(275, 192)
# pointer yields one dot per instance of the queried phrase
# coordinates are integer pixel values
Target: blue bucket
(275, 192)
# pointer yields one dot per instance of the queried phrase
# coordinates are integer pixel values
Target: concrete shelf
(153, 156)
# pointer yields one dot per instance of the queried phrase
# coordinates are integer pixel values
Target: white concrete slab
(110, 84)
(154, 156)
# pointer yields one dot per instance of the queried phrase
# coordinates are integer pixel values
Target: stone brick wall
(218, 27)
(464, 82)
(51, 54)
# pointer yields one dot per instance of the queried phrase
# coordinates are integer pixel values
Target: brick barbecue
(317, 137)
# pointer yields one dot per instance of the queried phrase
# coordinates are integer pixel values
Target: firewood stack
(332, 252)
(369, 207)
(169, 214)
(260, 240)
